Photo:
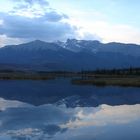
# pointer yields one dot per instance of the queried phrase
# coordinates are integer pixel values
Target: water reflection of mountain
(21, 121)
(61, 91)
(66, 111)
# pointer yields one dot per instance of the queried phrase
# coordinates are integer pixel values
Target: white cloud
(4, 40)
(109, 32)
(55, 25)
(6, 104)
(1, 22)
(104, 115)
(32, 20)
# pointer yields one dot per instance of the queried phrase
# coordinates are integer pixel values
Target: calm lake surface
(57, 110)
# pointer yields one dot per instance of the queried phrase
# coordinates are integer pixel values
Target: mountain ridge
(72, 54)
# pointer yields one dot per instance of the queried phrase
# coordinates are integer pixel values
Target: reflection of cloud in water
(20, 121)
(105, 115)
(4, 104)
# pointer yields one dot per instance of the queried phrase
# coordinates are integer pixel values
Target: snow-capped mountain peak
(72, 54)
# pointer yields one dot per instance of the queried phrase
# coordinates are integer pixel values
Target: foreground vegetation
(109, 81)
(115, 77)
(33, 75)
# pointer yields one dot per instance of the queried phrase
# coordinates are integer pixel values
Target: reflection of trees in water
(60, 90)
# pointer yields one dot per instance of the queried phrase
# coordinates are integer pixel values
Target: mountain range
(70, 55)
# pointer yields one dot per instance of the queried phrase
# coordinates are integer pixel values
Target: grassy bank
(24, 76)
(127, 81)
(121, 77)
(34, 75)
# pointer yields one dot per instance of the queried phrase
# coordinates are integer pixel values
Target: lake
(58, 110)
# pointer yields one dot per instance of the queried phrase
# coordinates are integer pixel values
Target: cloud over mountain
(46, 27)
(35, 20)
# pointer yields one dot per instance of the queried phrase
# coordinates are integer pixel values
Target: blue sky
(51, 20)
(116, 11)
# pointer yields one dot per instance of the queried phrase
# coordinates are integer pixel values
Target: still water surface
(57, 110)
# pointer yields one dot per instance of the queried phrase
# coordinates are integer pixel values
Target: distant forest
(122, 71)
(125, 71)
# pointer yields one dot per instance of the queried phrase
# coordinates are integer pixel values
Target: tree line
(123, 71)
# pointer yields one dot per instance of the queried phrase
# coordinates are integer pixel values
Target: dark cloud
(27, 21)
(36, 19)
(48, 27)
(54, 16)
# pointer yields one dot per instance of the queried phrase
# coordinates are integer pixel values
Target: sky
(52, 20)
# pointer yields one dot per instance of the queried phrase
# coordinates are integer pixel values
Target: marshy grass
(109, 81)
